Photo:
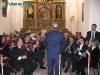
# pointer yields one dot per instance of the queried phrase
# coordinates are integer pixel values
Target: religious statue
(4, 7)
(30, 12)
(58, 12)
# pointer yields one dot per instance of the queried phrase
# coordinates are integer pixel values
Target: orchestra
(24, 51)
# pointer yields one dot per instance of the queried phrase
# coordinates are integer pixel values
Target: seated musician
(79, 63)
(64, 54)
(4, 55)
(21, 59)
(6, 45)
(37, 55)
(27, 39)
(70, 52)
(4, 65)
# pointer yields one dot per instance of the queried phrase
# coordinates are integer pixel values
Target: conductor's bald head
(55, 26)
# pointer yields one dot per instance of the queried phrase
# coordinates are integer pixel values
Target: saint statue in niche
(44, 13)
(4, 7)
(58, 12)
(30, 12)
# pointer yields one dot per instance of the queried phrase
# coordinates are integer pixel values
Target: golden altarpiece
(40, 14)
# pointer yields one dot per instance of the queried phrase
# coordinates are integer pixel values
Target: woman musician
(5, 44)
(5, 57)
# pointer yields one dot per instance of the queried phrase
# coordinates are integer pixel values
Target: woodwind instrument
(84, 53)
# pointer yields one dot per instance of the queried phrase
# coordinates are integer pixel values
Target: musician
(5, 43)
(2, 41)
(63, 55)
(94, 53)
(27, 39)
(42, 47)
(4, 63)
(78, 36)
(21, 59)
(79, 61)
(70, 52)
(37, 55)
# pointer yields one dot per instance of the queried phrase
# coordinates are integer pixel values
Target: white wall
(17, 17)
(91, 15)
(14, 19)
(84, 26)
(94, 13)
(5, 22)
(72, 10)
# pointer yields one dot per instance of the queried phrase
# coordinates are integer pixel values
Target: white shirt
(93, 48)
(19, 47)
(19, 58)
(81, 46)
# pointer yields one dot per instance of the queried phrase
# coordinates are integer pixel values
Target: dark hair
(34, 42)
(94, 25)
(72, 37)
(26, 35)
(84, 39)
(16, 40)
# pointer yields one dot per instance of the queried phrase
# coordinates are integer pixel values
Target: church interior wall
(74, 23)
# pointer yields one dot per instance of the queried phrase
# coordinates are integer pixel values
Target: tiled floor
(41, 72)
(44, 72)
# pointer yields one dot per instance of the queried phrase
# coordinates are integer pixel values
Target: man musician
(4, 55)
(21, 59)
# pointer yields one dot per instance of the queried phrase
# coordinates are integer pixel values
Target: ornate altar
(40, 14)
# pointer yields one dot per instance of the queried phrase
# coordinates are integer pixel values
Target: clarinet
(84, 54)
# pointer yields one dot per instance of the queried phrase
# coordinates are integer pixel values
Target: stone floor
(44, 72)
(41, 72)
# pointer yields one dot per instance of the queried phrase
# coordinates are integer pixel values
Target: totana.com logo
(15, 4)
(19, 4)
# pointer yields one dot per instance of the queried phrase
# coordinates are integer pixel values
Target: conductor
(55, 43)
